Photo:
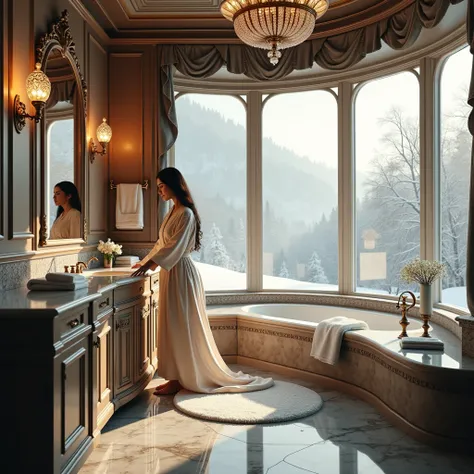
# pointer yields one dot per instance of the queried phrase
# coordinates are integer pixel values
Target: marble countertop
(51, 303)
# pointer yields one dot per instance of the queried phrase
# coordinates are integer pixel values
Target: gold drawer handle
(104, 303)
(74, 323)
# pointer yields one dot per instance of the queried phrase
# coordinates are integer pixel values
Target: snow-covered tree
(216, 253)
(315, 271)
(284, 273)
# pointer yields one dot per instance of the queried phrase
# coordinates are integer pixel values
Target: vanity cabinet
(68, 362)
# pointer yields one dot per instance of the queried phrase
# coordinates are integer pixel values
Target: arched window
(211, 153)
(300, 191)
(387, 181)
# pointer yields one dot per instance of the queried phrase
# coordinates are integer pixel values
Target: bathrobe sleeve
(75, 225)
(150, 253)
(177, 245)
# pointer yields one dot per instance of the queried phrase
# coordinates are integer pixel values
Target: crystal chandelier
(273, 24)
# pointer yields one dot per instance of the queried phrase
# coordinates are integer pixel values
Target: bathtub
(317, 313)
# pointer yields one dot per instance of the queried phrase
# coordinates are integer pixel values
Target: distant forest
(300, 216)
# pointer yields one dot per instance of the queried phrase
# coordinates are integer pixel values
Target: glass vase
(426, 307)
(108, 261)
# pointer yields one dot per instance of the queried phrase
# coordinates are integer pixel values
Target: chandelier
(273, 24)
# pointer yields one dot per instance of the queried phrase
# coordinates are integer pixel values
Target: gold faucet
(81, 265)
(405, 308)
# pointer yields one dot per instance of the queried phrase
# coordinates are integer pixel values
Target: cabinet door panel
(104, 366)
(123, 349)
(154, 330)
(143, 342)
(74, 394)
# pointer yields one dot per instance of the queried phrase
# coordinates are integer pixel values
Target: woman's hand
(144, 268)
(137, 265)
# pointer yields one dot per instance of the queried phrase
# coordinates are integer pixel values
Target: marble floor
(348, 436)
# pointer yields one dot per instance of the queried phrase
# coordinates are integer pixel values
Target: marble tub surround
(15, 274)
(466, 324)
(347, 436)
(424, 392)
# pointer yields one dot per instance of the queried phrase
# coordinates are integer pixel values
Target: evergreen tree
(284, 273)
(315, 271)
(216, 253)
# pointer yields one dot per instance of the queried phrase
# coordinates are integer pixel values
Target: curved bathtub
(317, 313)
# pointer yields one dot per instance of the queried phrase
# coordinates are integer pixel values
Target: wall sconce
(104, 134)
(38, 89)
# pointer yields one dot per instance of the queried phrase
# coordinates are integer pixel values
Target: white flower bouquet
(424, 272)
(109, 248)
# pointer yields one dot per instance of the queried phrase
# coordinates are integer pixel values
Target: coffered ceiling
(200, 21)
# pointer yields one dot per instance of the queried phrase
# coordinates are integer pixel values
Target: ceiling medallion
(273, 24)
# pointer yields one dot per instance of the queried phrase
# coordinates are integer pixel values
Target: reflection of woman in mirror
(68, 218)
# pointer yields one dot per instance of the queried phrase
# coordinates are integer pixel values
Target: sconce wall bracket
(93, 151)
(20, 115)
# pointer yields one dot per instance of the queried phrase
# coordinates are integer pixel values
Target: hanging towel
(129, 207)
(328, 335)
(41, 284)
(65, 277)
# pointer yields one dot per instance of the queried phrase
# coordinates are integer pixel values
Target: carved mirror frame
(60, 38)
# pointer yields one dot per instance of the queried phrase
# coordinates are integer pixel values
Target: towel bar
(114, 186)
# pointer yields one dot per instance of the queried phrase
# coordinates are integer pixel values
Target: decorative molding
(85, 230)
(43, 233)
(223, 328)
(60, 37)
(271, 332)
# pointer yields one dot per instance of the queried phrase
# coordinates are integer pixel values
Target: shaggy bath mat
(282, 402)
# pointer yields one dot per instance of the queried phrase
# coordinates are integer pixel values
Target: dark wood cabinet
(72, 402)
(83, 359)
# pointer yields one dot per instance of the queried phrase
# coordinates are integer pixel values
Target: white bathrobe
(186, 348)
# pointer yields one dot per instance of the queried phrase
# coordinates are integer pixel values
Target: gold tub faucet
(405, 308)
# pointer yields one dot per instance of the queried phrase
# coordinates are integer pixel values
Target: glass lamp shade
(273, 24)
(104, 132)
(38, 86)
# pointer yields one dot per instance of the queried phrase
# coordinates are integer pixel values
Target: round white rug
(282, 402)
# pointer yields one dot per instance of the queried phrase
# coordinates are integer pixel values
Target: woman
(188, 355)
(68, 217)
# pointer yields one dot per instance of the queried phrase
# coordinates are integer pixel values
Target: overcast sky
(306, 122)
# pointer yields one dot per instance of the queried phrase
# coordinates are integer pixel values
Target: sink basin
(106, 272)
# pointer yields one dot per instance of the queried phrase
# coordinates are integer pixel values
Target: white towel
(41, 284)
(129, 207)
(65, 277)
(328, 335)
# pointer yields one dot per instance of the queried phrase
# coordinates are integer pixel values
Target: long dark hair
(69, 189)
(176, 182)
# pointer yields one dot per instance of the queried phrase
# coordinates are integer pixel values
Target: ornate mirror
(62, 140)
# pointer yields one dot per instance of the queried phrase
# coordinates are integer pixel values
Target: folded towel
(65, 277)
(129, 207)
(430, 343)
(328, 335)
(41, 284)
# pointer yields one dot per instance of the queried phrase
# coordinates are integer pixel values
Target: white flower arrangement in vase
(109, 249)
(424, 272)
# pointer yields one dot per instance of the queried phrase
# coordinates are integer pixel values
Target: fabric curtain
(62, 91)
(335, 53)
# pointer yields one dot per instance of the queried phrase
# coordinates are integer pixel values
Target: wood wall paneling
(98, 108)
(131, 146)
(20, 154)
